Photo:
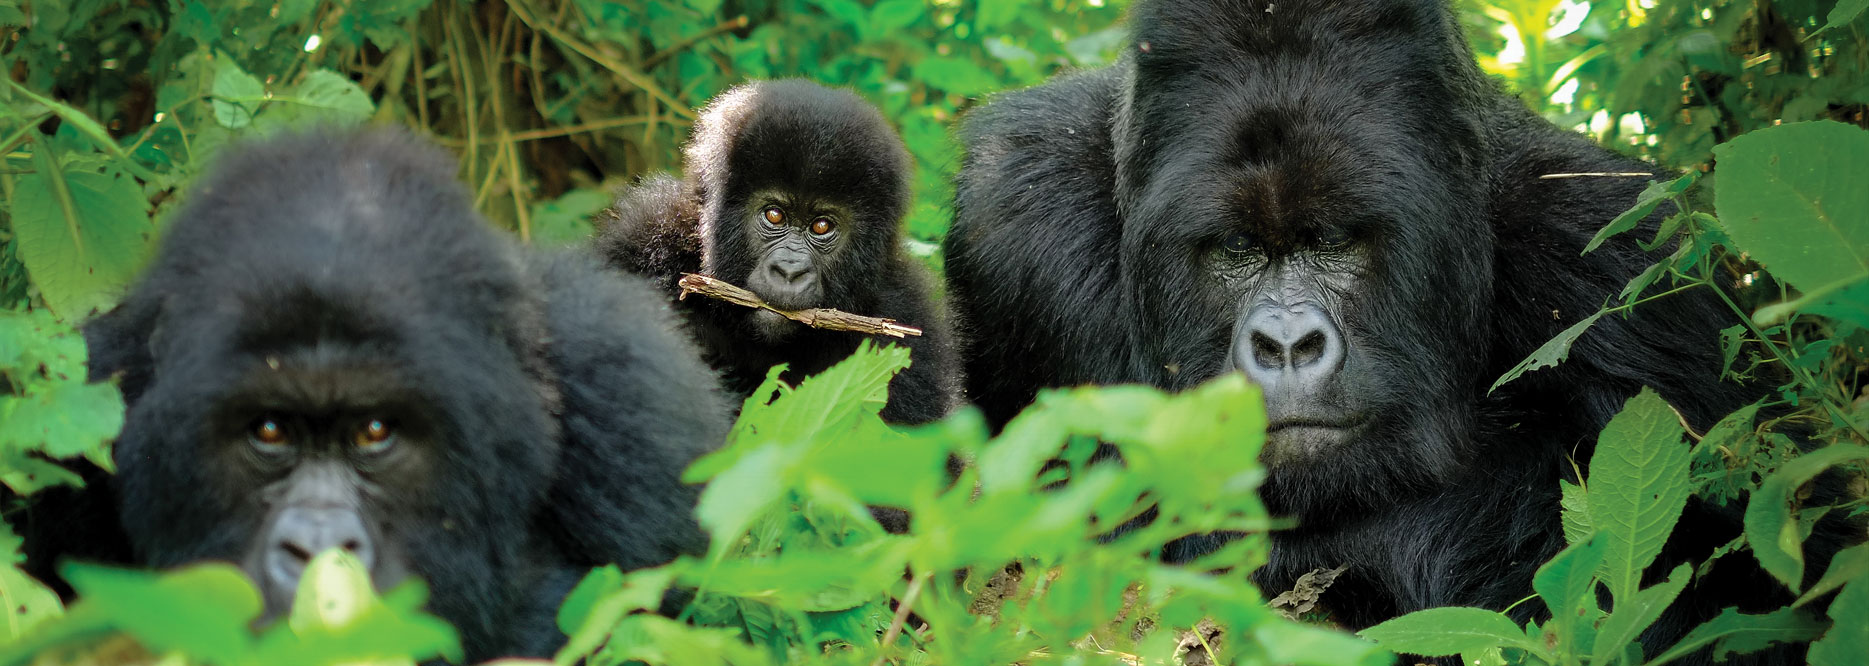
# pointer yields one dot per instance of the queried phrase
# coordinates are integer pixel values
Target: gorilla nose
(791, 269)
(1278, 345)
(301, 533)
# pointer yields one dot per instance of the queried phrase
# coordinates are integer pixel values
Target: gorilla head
(333, 350)
(804, 190)
(1281, 174)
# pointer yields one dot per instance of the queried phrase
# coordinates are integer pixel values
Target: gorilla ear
(118, 343)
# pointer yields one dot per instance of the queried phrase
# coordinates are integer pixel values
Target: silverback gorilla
(796, 192)
(1331, 198)
(333, 350)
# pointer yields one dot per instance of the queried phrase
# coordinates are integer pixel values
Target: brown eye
(267, 435)
(822, 226)
(374, 435)
(774, 216)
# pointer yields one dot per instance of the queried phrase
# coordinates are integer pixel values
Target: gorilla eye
(822, 226)
(1239, 244)
(1335, 239)
(373, 436)
(267, 435)
(774, 216)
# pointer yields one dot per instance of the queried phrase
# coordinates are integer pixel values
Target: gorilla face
(1303, 242)
(798, 240)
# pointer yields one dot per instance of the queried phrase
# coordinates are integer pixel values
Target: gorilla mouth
(1298, 440)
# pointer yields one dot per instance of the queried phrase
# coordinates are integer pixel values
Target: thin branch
(729, 25)
(824, 318)
(902, 615)
(617, 67)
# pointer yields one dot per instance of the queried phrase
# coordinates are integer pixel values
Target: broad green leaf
(82, 235)
(324, 97)
(1769, 525)
(1733, 632)
(1791, 196)
(1565, 582)
(1847, 565)
(237, 95)
(1848, 638)
(1657, 193)
(1843, 301)
(1550, 353)
(1638, 486)
(28, 602)
(1844, 12)
(68, 419)
(1574, 503)
(890, 16)
(205, 608)
(955, 76)
(1634, 613)
(1437, 632)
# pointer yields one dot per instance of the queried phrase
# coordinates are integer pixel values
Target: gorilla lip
(1324, 424)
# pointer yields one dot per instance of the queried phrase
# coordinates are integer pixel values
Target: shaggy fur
(800, 142)
(1086, 207)
(557, 405)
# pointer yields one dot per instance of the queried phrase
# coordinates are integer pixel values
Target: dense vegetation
(110, 107)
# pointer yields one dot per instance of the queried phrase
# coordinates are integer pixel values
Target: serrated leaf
(1848, 638)
(1549, 354)
(1574, 504)
(66, 420)
(27, 601)
(1635, 612)
(1769, 525)
(1850, 564)
(1439, 632)
(1638, 486)
(1657, 193)
(1791, 196)
(237, 95)
(81, 235)
(1733, 632)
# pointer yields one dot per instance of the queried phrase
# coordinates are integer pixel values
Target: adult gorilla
(332, 350)
(1330, 197)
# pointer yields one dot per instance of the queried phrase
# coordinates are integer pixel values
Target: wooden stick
(824, 318)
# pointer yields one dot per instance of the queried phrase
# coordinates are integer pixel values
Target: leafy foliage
(110, 107)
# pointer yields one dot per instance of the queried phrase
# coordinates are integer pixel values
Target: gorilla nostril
(296, 551)
(1266, 352)
(1309, 349)
(353, 545)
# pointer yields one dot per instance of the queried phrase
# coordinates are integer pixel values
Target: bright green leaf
(1769, 525)
(1791, 196)
(1439, 632)
(82, 236)
(1638, 486)
(1550, 353)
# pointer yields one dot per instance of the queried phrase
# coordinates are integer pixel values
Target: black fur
(563, 405)
(806, 142)
(1075, 257)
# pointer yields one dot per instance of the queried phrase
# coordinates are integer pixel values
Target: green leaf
(956, 76)
(27, 602)
(1791, 196)
(1652, 197)
(82, 235)
(1635, 612)
(324, 97)
(1575, 505)
(1438, 632)
(1769, 525)
(1550, 353)
(1848, 638)
(1843, 301)
(85, 124)
(1733, 632)
(1844, 12)
(1567, 585)
(237, 95)
(205, 609)
(67, 420)
(1638, 486)
(1850, 564)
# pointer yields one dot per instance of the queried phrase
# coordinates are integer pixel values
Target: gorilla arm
(637, 407)
(653, 230)
(1038, 173)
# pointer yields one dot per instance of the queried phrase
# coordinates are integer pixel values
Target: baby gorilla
(797, 192)
(332, 350)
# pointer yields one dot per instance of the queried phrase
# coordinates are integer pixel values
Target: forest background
(110, 107)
